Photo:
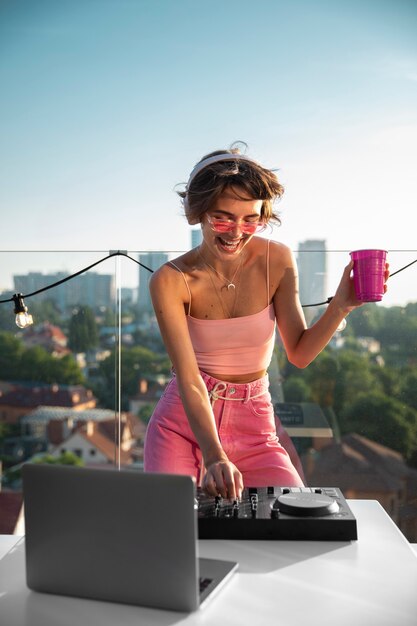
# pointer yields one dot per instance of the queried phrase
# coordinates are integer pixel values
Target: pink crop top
(239, 345)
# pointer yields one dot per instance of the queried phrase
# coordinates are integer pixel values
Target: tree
(11, 350)
(389, 379)
(321, 376)
(296, 390)
(45, 311)
(35, 364)
(83, 333)
(145, 412)
(136, 363)
(408, 389)
(355, 375)
(65, 458)
(382, 419)
(366, 320)
(7, 317)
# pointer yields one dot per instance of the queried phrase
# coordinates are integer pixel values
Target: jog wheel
(306, 504)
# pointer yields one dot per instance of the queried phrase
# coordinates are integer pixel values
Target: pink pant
(246, 425)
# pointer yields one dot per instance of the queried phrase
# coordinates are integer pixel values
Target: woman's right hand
(224, 479)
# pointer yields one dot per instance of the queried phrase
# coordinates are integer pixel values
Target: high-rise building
(196, 237)
(312, 269)
(152, 260)
(90, 289)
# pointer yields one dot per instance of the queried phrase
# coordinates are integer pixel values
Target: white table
(372, 581)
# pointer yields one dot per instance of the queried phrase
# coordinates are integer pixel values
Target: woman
(217, 307)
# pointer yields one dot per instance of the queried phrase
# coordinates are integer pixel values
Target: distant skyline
(402, 289)
(107, 104)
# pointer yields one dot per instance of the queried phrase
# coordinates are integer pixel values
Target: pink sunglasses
(220, 225)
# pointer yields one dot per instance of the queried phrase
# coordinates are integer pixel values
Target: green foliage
(321, 377)
(366, 321)
(4, 430)
(373, 394)
(35, 364)
(387, 379)
(145, 412)
(394, 327)
(66, 458)
(354, 376)
(296, 390)
(408, 388)
(11, 351)
(382, 419)
(136, 364)
(82, 332)
(152, 341)
(44, 311)
(14, 474)
(7, 316)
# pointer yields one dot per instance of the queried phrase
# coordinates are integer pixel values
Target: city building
(94, 441)
(47, 336)
(55, 423)
(152, 260)
(18, 399)
(196, 237)
(89, 289)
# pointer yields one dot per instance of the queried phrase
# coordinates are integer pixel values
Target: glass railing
(79, 385)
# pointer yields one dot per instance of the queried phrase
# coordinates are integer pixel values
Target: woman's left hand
(345, 294)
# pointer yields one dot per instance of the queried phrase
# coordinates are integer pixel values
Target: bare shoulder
(169, 280)
(168, 273)
(279, 250)
(281, 256)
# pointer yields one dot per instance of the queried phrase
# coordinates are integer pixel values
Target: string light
(23, 318)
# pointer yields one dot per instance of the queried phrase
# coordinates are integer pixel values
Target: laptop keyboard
(204, 583)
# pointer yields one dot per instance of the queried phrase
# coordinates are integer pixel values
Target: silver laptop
(121, 536)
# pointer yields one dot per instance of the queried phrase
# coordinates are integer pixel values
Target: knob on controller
(306, 504)
(275, 510)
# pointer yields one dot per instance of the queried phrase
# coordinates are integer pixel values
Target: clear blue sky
(107, 104)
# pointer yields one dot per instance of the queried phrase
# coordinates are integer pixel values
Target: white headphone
(213, 159)
(218, 157)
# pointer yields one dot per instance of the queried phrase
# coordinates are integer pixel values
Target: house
(97, 443)
(19, 399)
(148, 393)
(364, 469)
(56, 423)
(47, 336)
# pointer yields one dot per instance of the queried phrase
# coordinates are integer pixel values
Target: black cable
(120, 253)
(403, 268)
(318, 303)
(64, 280)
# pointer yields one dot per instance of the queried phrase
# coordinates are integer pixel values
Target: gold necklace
(230, 284)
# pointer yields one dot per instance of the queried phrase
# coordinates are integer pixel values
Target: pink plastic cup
(368, 274)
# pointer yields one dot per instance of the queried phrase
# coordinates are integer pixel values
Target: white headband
(218, 157)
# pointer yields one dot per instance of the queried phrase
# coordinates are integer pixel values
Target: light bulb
(23, 319)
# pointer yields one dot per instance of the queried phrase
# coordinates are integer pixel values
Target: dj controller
(305, 513)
